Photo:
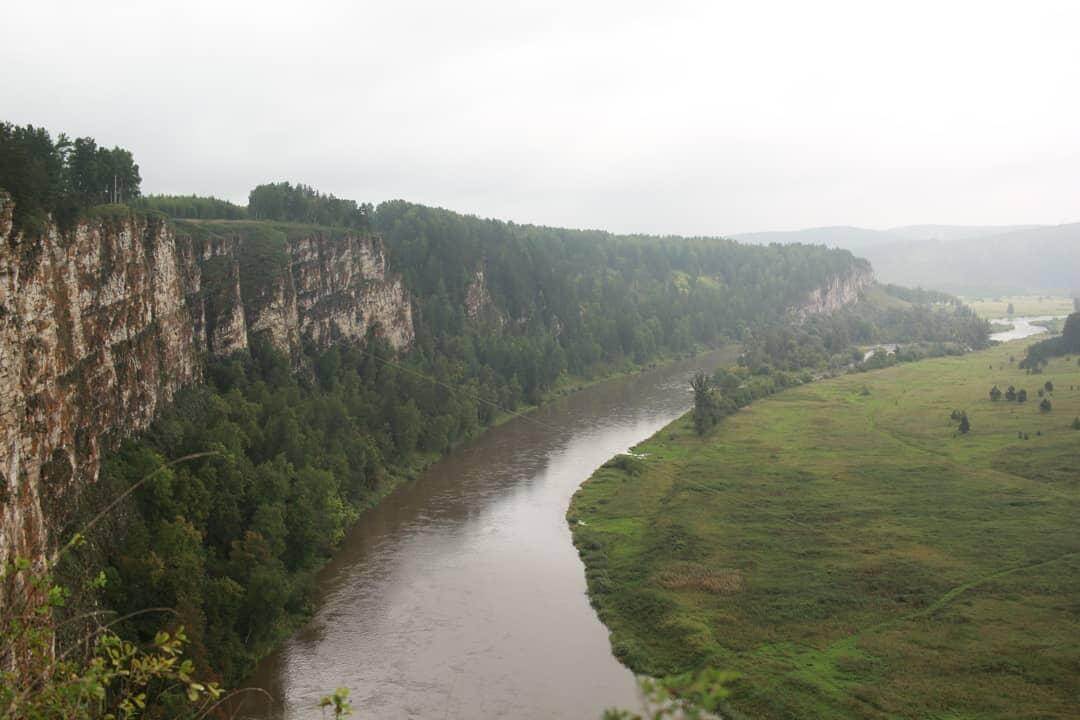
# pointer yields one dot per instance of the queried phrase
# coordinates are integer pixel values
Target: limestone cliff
(842, 289)
(479, 306)
(102, 325)
(296, 286)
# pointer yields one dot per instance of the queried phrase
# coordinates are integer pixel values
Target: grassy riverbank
(849, 553)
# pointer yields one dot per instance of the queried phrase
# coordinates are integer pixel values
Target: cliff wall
(102, 325)
(840, 290)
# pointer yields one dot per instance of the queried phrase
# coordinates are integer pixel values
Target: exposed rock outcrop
(340, 290)
(95, 335)
(479, 307)
(839, 291)
(102, 325)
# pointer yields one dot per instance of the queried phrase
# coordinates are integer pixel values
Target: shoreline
(411, 473)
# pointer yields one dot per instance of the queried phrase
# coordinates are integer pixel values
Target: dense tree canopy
(231, 541)
(62, 177)
(302, 203)
(597, 296)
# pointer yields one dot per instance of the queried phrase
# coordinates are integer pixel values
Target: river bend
(461, 594)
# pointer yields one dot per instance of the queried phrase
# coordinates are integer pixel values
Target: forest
(231, 540)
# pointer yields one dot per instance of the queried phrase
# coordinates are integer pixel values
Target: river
(1021, 327)
(461, 595)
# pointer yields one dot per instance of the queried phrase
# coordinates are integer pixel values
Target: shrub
(627, 463)
(100, 675)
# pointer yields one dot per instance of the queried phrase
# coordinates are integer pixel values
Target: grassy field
(849, 553)
(1022, 305)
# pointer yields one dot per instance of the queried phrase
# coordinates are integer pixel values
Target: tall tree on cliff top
(61, 178)
(31, 170)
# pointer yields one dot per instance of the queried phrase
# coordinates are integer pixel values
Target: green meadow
(849, 553)
(1022, 305)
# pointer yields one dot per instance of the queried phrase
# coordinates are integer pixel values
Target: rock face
(307, 289)
(339, 290)
(479, 307)
(102, 325)
(839, 291)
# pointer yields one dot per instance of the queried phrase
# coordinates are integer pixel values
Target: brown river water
(461, 595)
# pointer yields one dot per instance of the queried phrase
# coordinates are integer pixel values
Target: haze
(693, 118)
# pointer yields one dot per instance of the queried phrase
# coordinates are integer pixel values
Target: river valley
(461, 594)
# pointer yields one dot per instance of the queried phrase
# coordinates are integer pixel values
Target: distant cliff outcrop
(100, 326)
(840, 290)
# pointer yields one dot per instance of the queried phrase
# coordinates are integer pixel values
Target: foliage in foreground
(55, 665)
(47, 675)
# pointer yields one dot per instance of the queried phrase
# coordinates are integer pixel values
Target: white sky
(708, 117)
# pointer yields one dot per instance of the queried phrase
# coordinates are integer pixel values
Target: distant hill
(963, 259)
(950, 233)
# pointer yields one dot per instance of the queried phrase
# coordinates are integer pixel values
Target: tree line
(943, 326)
(602, 297)
(63, 177)
(281, 202)
(1066, 343)
(304, 204)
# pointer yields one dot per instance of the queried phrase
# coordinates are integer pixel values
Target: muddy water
(461, 595)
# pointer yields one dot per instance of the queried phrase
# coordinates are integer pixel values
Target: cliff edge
(102, 325)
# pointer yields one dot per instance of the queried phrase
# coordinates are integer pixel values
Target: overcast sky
(693, 118)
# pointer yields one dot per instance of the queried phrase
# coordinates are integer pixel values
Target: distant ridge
(963, 259)
(845, 236)
(949, 233)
